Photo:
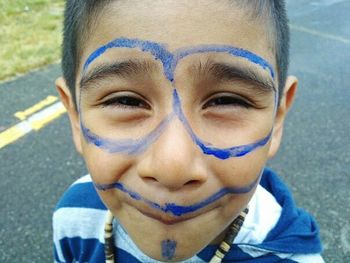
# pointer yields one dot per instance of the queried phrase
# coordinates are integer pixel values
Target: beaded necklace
(217, 258)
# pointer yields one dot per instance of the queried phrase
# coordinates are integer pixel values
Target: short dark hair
(80, 15)
(275, 14)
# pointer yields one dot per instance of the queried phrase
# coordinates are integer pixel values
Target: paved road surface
(314, 159)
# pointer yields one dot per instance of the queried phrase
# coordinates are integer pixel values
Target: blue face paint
(220, 153)
(126, 146)
(233, 51)
(168, 249)
(175, 209)
(170, 61)
(158, 51)
(131, 146)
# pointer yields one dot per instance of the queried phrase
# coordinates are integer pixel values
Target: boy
(176, 106)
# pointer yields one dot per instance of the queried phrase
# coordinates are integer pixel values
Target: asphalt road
(314, 159)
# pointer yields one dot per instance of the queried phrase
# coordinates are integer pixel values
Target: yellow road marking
(22, 115)
(47, 115)
(35, 122)
(14, 133)
(320, 34)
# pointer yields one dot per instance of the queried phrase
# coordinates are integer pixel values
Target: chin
(172, 241)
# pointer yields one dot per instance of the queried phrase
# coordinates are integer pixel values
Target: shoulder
(80, 203)
(78, 222)
(275, 226)
(81, 194)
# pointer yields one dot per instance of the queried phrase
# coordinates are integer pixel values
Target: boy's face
(164, 194)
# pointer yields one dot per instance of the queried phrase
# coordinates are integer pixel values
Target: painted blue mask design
(135, 146)
(170, 61)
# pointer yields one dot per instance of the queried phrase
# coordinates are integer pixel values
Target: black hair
(80, 15)
(77, 23)
(273, 12)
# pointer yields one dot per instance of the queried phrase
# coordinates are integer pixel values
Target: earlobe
(67, 100)
(286, 102)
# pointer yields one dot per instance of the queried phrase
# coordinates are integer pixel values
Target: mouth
(167, 219)
(173, 210)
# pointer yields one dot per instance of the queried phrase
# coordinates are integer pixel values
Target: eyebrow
(229, 72)
(124, 69)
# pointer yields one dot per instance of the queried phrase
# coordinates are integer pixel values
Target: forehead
(179, 24)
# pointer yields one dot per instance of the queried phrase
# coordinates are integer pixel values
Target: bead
(219, 254)
(224, 246)
(229, 237)
(215, 259)
(108, 236)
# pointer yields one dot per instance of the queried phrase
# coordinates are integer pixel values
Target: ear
(284, 106)
(67, 100)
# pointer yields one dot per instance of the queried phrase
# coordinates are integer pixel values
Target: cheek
(111, 199)
(235, 205)
(104, 167)
(240, 171)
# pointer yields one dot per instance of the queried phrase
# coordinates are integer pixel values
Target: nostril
(190, 183)
(150, 179)
(193, 182)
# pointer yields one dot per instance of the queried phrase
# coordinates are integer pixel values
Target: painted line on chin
(168, 249)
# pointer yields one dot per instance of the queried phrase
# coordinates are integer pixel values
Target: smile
(167, 219)
(176, 209)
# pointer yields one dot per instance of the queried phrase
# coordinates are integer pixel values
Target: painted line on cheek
(169, 60)
(127, 146)
(220, 153)
(132, 146)
(168, 249)
(236, 151)
(175, 209)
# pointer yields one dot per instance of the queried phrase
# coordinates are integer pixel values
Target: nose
(173, 161)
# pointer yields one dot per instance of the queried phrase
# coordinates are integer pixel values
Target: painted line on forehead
(233, 51)
(157, 50)
(173, 208)
(220, 153)
(126, 146)
(170, 60)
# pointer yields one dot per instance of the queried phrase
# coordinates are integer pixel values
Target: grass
(30, 35)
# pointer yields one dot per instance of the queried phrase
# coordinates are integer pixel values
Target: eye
(227, 101)
(126, 101)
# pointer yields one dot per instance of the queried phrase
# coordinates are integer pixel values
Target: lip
(170, 213)
(169, 220)
(163, 220)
